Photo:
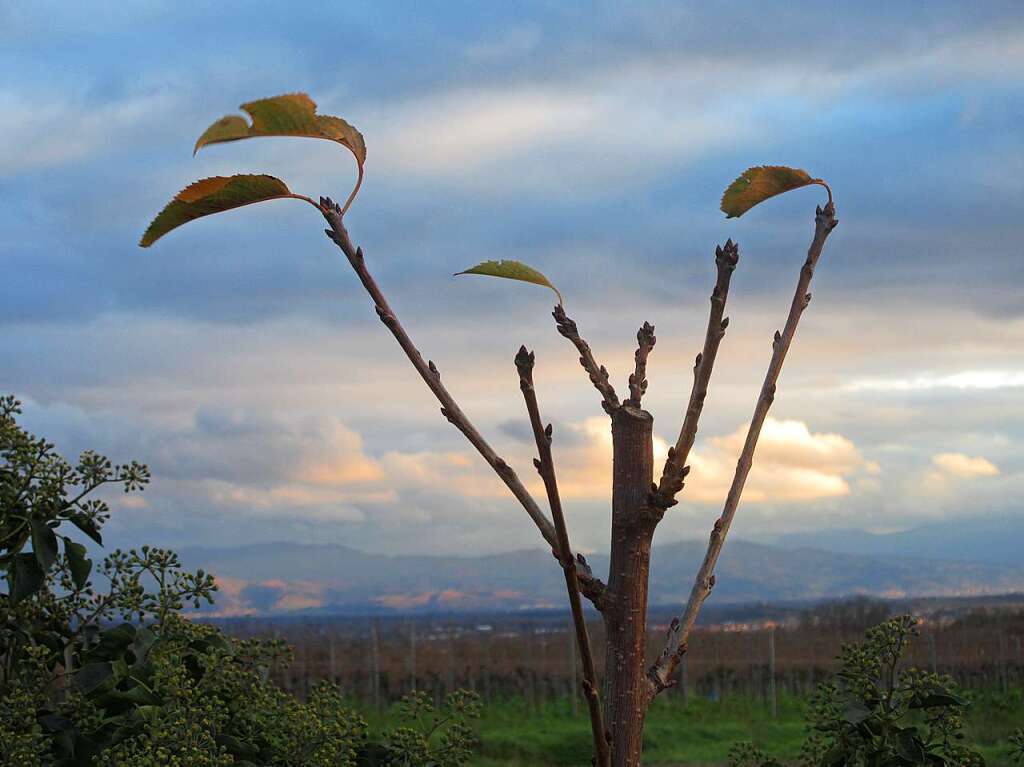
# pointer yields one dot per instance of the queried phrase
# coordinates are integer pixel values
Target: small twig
(675, 470)
(546, 467)
(661, 672)
(638, 380)
(597, 373)
(591, 586)
(428, 372)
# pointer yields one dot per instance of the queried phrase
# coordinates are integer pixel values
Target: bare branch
(430, 375)
(638, 380)
(598, 374)
(679, 633)
(675, 470)
(592, 587)
(545, 465)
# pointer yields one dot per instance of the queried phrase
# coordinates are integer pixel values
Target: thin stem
(675, 471)
(597, 373)
(546, 466)
(591, 586)
(355, 191)
(679, 632)
(824, 183)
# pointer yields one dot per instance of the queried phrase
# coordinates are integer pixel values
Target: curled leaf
(755, 185)
(512, 270)
(44, 543)
(79, 564)
(293, 114)
(213, 195)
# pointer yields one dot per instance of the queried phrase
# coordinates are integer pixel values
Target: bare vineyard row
(379, 661)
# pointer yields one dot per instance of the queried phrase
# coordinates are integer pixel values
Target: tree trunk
(628, 691)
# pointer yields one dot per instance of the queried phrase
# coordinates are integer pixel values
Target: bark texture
(628, 689)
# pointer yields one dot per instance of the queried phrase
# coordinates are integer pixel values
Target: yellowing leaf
(757, 184)
(213, 195)
(293, 114)
(512, 270)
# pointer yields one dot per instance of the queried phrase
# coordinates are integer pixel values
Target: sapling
(638, 502)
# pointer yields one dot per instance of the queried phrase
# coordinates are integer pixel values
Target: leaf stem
(359, 183)
(822, 182)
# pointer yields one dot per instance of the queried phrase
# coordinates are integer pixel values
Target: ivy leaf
(755, 185)
(512, 270)
(92, 675)
(213, 195)
(909, 746)
(44, 543)
(78, 563)
(293, 114)
(87, 526)
(25, 576)
(938, 698)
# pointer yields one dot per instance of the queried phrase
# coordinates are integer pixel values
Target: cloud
(41, 132)
(967, 379)
(792, 464)
(960, 465)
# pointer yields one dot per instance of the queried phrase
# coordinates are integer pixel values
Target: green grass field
(514, 735)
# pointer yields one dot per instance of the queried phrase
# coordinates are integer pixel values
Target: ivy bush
(118, 677)
(872, 713)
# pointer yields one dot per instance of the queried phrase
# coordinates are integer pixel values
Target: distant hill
(326, 579)
(995, 540)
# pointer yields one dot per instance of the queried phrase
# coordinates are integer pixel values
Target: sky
(240, 358)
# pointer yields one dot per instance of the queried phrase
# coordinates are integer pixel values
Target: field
(735, 675)
(514, 734)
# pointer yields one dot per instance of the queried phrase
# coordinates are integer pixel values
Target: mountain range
(289, 578)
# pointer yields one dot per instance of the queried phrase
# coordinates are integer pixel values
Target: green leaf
(44, 543)
(78, 563)
(25, 576)
(293, 114)
(87, 526)
(512, 270)
(92, 675)
(757, 184)
(856, 712)
(213, 195)
(908, 746)
(937, 698)
(143, 642)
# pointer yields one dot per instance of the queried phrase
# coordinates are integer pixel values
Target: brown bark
(628, 689)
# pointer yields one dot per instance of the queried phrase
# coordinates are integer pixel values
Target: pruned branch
(675, 471)
(638, 380)
(546, 467)
(429, 373)
(597, 373)
(591, 586)
(661, 672)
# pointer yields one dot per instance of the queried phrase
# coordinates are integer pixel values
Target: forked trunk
(628, 690)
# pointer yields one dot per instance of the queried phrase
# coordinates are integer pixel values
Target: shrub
(120, 678)
(873, 713)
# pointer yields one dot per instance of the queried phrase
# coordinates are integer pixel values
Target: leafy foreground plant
(873, 714)
(638, 502)
(158, 691)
